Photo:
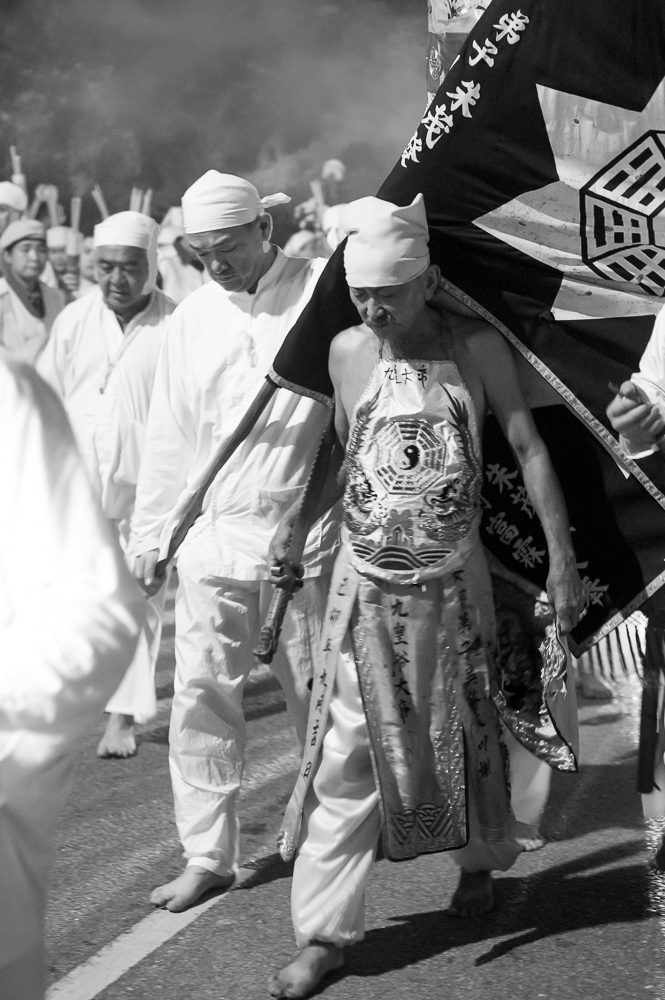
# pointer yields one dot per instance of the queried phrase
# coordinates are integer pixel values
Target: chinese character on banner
(465, 99)
(509, 27)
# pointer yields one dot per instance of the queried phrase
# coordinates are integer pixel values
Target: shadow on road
(598, 807)
(560, 900)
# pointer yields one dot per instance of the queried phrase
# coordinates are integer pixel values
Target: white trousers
(342, 824)
(136, 692)
(217, 626)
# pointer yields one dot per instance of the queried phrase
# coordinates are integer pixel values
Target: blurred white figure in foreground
(101, 360)
(69, 622)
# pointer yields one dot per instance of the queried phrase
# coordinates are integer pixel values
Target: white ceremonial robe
(70, 616)
(218, 349)
(21, 333)
(105, 376)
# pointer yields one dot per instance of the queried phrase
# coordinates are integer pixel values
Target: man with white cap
(101, 360)
(404, 732)
(221, 342)
(28, 307)
(59, 241)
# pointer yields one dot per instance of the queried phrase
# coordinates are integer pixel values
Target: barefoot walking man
(221, 341)
(410, 618)
(101, 360)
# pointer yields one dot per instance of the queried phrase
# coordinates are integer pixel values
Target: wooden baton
(272, 626)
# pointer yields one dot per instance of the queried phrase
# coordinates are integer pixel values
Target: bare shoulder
(353, 355)
(355, 346)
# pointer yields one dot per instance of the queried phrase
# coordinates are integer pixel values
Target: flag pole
(194, 507)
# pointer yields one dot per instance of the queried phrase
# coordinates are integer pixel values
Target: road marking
(93, 976)
(115, 959)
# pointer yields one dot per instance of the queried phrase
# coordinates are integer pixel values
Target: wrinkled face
(87, 259)
(121, 273)
(234, 257)
(27, 258)
(392, 311)
(7, 215)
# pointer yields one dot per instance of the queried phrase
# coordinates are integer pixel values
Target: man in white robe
(221, 342)
(28, 307)
(101, 359)
(70, 616)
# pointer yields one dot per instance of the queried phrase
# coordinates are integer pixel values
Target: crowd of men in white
(152, 391)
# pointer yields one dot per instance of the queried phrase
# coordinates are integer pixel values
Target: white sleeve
(71, 613)
(169, 447)
(651, 379)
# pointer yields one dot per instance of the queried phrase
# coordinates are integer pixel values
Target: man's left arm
(493, 359)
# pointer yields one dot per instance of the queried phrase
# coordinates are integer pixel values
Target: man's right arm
(636, 412)
(282, 572)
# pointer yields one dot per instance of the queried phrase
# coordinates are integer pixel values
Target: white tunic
(99, 370)
(69, 623)
(218, 349)
(21, 333)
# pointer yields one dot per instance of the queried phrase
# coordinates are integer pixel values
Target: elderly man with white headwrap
(405, 729)
(69, 621)
(221, 342)
(101, 360)
(28, 307)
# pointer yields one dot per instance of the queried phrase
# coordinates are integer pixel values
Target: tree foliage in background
(153, 92)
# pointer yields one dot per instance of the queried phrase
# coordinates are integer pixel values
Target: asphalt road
(584, 917)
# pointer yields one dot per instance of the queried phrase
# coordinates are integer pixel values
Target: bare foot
(474, 895)
(528, 837)
(303, 975)
(118, 739)
(187, 889)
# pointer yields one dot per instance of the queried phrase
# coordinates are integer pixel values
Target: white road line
(115, 959)
(90, 978)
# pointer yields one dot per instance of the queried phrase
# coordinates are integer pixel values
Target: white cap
(13, 196)
(221, 201)
(131, 229)
(22, 229)
(387, 245)
(57, 237)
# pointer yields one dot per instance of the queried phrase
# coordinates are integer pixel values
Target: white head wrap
(131, 229)
(13, 196)
(221, 201)
(387, 245)
(57, 237)
(22, 229)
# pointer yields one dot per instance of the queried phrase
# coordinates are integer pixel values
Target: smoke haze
(154, 92)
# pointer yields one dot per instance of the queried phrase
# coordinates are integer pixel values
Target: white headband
(221, 201)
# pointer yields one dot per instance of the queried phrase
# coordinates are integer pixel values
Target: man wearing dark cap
(28, 307)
